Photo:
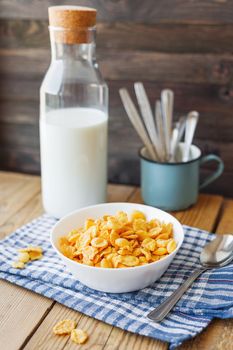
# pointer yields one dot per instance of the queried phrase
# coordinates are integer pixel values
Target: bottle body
(73, 131)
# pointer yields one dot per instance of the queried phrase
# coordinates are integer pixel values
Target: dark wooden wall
(185, 45)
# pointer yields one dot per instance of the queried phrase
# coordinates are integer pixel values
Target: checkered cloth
(210, 296)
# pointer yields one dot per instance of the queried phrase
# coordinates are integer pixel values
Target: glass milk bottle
(73, 115)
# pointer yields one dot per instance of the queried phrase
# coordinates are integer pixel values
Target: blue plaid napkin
(210, 296)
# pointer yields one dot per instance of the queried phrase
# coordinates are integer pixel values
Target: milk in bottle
(73, 115)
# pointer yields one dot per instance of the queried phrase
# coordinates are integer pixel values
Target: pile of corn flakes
(27, 254)
(68, 327)
(119, 241)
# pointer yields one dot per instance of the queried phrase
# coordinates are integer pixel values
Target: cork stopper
(71, 23)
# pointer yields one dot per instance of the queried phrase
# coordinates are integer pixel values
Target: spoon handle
(191, 123)
(163, 309)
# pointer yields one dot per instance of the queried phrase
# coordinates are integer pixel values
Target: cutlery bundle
(156, 130)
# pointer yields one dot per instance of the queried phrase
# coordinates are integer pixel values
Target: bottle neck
(72, 45)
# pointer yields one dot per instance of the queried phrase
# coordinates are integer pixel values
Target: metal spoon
(217, 253)
(136, 121)
(167, 101)
(177, 134)
(147, 116)
(160, 129)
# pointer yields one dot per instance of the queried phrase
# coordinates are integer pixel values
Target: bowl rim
(113, 268)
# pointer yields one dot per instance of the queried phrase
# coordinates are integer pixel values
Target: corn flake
(18, 265)
(64, 327)
(160, 251)
(154, 232)
(89, 223)
(105, 263)
(137, 215)
(33, 249)
(171, 246)
(99, 242)
(139, 224)
(116, 259)
(78, 336)
(163, 236)
(122, 217)
(35, 255)
(24, 257)
(162, 243)
(122, 242)
(129, 260)
(29, 253)
(113, 236)
(149, 244)
(146, 253)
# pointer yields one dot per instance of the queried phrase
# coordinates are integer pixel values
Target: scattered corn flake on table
(31, 316)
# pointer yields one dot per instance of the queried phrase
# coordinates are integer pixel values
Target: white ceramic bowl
(119, 280)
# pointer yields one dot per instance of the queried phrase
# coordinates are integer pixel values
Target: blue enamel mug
(175, 186)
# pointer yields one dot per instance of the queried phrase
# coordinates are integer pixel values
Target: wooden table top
(27, 318)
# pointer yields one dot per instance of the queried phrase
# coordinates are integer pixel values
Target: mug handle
(218, 171)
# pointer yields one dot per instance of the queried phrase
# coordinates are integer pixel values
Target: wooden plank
(10, 184)
(14, 177)
(100, 331)
(20, 159)
(21, 109)
(124, 165)
(121, 340)
(182, 38)
(219, 334)
(20, 140)
(9, 187)
(226, 221)
(211, 100)
(152, 66)
(20, 156)
(203, 214)
(161, 11)
(208, 98)
(36, 306)
(24, 122)
(222, 185)
(132, 144)
(19, 306)
(166, 67)
(31, 209)
(22, 204)
(46, 340)
(13, 203)
(168, 37)
(19, 135)
(118, 193)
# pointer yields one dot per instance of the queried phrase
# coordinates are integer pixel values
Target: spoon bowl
(217, 252)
